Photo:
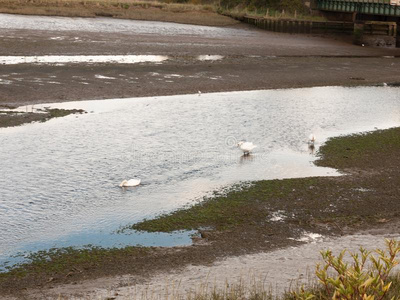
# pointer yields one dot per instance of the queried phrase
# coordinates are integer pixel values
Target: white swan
(246, 147)
(311, 139)
(130, 182)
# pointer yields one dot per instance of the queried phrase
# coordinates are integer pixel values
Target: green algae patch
(341, 200)
(59, 262)
(363, 150)
(246, 206)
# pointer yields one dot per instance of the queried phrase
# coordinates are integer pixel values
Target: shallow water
(109, 25)
(76, 59)
(59, 182)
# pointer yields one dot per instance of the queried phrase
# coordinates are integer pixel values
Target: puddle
(103, 77)
(274, 271)
(159, 239)
(75, 59)
(209, 57)
(3, 81)
(309, 237)
(181, 147)
(173, 76)
(57, 38)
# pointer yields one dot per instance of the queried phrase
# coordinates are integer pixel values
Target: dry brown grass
(191, 13)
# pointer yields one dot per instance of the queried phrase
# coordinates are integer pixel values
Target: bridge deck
(372, 7)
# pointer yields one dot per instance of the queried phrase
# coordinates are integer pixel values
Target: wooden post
(397, 35)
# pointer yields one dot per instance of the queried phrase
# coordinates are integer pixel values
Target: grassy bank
(241, 220)
(296, 9)
(190, 13)
(199, 12)
(270, 13)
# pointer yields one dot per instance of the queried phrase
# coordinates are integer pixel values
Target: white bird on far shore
(130, 183)
(311, 139)
(246, 147)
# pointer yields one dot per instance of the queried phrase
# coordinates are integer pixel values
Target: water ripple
(59, 180)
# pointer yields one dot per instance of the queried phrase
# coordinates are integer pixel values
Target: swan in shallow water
(130, 182)
(246, 147)
(311, 139)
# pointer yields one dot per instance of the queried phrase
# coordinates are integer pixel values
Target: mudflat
(252, 59)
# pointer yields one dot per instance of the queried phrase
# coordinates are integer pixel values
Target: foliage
(263, 5)
(366, 278)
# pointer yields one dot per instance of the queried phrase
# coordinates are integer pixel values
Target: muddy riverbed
(252, 59)
(248, 59)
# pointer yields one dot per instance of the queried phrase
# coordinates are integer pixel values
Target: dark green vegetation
(74, 260)
(14, 118)
(272, 8)
(321, 294)
(239, 221)
(250, 206)
(363, 151)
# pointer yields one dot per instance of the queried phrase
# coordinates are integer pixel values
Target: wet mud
(252, 59)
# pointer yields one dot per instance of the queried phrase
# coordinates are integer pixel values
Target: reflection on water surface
(59, 182)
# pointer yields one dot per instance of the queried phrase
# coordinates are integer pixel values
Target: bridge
(378, 8)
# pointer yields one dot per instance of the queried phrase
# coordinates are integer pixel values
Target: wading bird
(311, 139)
(130, 183)
(246, 147)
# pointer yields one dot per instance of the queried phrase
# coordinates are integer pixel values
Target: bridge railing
(369, 7)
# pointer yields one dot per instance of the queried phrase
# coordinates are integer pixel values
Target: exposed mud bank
(16, 118)
(252, 59)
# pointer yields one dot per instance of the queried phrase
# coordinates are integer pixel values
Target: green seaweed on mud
(68, 259)
(327, 205)
(250, 205)
(237, 207)
(359, 150)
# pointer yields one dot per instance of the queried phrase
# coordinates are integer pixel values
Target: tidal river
(59, 179)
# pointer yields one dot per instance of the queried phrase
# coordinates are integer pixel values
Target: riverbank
(255, 220)
(197, 14)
